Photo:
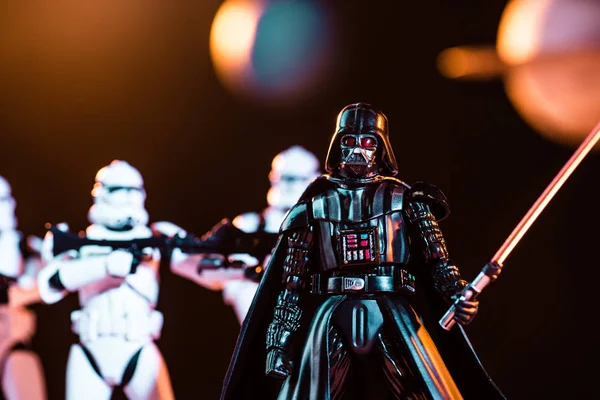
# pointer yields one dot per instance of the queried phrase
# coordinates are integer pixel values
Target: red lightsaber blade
(492, 269)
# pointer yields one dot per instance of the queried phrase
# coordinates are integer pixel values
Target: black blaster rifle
(235, 241)
(224, 239)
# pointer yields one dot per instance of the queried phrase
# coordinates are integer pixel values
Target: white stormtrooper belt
(90, 325)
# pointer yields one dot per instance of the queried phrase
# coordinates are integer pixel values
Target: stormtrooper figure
(20, 369)
(117, 323)
(292, 171)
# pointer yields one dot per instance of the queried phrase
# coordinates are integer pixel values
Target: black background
(205, 154)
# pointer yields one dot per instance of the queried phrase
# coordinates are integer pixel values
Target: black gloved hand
(277, 364)
(465, 310)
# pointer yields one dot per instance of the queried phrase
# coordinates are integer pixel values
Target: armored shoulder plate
(431, 195)
(319, 185)
(301, 214)
(296, 217)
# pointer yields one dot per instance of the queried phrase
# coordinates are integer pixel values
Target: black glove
(465, 310)
(277, 364)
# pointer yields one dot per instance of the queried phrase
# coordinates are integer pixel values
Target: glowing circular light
(552, 49)
(270, 50)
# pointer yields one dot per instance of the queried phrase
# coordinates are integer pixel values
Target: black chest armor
(360, 227)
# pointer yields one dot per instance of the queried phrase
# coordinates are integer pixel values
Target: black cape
(246, 379)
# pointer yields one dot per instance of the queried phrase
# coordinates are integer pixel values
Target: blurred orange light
(232, 37)
(558, 96)
(467, 62)
(271, 51)
(548, 54)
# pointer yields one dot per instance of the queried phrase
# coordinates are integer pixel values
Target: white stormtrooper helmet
(292, 171)
(8, 220)
(119, 197)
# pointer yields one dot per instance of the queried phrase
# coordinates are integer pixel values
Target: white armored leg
(151, 379)
(82, 381)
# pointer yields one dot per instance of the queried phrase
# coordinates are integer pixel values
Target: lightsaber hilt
(488, 274)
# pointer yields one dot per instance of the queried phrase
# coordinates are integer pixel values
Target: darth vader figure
(348, 304)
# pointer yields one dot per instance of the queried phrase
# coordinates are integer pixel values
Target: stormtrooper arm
(32, 264)
(209, 277)
(11, 259)
(228, 278)
(239, 295)
(188, 265)
(25, 291)
(70, 272)
(65, 274)
(182, 264)
(76, 273)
